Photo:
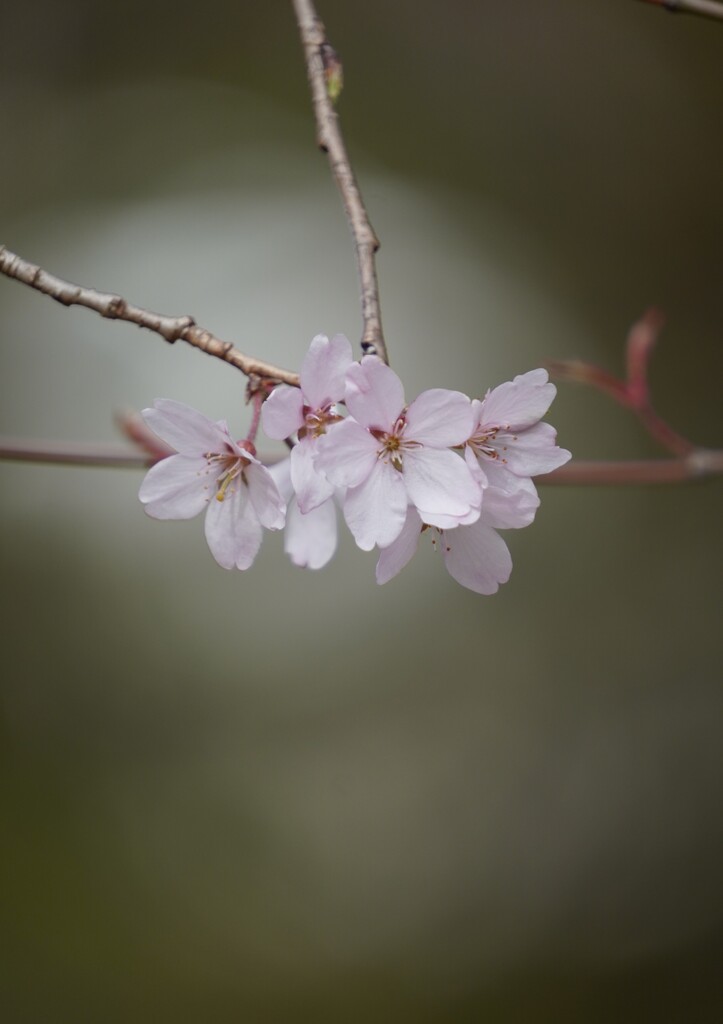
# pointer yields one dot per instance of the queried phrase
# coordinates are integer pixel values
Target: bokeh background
(286, 796)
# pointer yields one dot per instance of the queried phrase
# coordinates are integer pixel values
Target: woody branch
(114, 307)
(324, 71)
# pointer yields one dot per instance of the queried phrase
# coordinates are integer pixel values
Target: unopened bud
(333, 71)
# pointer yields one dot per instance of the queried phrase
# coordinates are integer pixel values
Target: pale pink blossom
(474, 554)
(309, 538)
(508, 433)
(310, 411)
(214, 472)
(389, 455)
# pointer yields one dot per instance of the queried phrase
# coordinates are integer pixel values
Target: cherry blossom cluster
(453, 468)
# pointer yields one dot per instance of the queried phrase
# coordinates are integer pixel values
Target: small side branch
(113, 307)
(323, 69)
(633, 392)
(704, 8)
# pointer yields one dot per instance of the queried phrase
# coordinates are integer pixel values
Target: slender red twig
(632, 393)
(697, 465)
(74, 454)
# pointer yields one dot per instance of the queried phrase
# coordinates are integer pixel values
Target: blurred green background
(285, 796)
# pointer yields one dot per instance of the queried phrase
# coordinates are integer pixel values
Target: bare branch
(632, 393)
(116, 456)
(696, 465)
(705, 8)
(324, 71)
(113, 307)
(19, 450)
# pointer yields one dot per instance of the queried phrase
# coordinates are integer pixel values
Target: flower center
(317, 420)
(232, 468)
(393, 444)
(484, 444)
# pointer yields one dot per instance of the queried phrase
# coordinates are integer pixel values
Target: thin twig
(705, 8)
(633, 393)
(697, 465)
(318, 50)
(19, 450)
(113, 307)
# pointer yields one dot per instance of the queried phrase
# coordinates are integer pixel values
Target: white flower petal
(512, 505)
(310, 540)
(283, 412)
(477, 557)
(440, 418)
(186, 429)
(440, 482)
(281, 475)
(233, 531)
(532, 451)
(374, 394)
(376, 510)
(451, 522)
(323, 371)
(519, 403)
(268, 504)
(310, 485)
(346, 454)
(177, 487)
(395, 556)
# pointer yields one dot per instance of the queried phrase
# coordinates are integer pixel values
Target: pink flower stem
(257, 398)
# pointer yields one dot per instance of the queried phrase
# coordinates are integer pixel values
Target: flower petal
(374, 394)
(176, 488)
(268, 504)
(281, 475)
(189, 431)
(518, 403)
(310, 540)
(375, 511)
(532, 451)
(283, 412)
(440, 482)
(451, 522)
(440, 418)
(395, 556)
(323, 371)
(510, 502)
(346, 454)
(232, 528)
(310, 485)
(477, 557)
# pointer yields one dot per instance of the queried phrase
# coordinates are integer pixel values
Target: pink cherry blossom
(389, 455)
(507, 430)
(214, 472)
(310, 411)
(474, 555)
(309, 538)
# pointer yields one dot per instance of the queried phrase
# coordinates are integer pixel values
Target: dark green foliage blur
(283, 796)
